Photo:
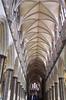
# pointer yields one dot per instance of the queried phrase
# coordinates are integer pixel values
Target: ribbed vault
(36, 67)
(38, 21)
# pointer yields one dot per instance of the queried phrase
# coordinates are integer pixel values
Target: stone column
(61, 78)
(22, 93)
(14, 81)
(47, 94)
(56, 85)
(52, 85)
(18, 84)
(56, 90)
(8, 82)
(18, 91)
(52, 92)
(61, 88)
(47, 89)
(13, 88)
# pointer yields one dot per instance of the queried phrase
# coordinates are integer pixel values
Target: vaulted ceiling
(39, 19)
(36, 25)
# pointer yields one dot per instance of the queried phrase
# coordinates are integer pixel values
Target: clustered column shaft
(56, 91)
(13, 89)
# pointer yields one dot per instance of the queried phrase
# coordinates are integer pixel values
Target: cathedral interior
(32, 49)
